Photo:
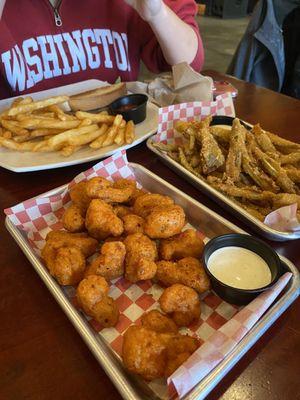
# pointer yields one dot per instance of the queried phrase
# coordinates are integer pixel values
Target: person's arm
(177, 39)
(2, 2)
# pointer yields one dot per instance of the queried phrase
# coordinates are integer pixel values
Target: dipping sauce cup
(131, 107)
(239, 278)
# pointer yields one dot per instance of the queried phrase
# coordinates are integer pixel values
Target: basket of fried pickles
(254, 168)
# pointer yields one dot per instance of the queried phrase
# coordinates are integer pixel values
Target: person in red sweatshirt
(50, 43)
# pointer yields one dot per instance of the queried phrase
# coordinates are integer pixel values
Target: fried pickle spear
(249, 194)
(211, 155)
(233, 163)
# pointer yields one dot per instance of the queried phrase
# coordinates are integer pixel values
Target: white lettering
(34, 61)
(58, 40)
(92, 51)
(15, 70)
(125, 39)
(76, 50)
(104, 37)
(120, 53)
(49, 56)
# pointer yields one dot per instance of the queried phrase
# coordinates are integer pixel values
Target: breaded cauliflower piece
(186, 244)
(133, 224)
(69, 265)
(73, 219)
(141, 253)
(182, 303)
(100, 188)
(158, 322)
(79, 196)
(179, 349)
(92, 296)
(188, 271)
(83, 241)
(144, 204)
(101, 221)
(110, 262)
(164, 221)
(144, 352)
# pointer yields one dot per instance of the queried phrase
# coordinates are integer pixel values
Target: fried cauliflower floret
(123, 183)
(121, 210)
(152, 354)
(188, 271)
(182, 303)
(101, 221)
(94, 185)
(90, 291)
(73, 219)
(79, 196)
(179, 349)
(110, 262)
(93, 299)
(83, 241)
(133, 224)
(100, 188)
(164, 221)
(68, 266)
(185, 244)
(144, 352)
(141, 253)
(158, 322)
(106, 312)
(144, 204)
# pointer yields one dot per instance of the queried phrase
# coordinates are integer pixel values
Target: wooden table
(41, 354)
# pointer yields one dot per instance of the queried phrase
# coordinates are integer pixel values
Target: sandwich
(97, 98)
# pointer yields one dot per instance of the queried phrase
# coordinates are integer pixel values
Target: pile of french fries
(43, 126)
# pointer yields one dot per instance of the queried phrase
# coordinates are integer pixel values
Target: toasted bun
(97, 98)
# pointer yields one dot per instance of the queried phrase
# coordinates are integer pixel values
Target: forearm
(2, 2)
(177, 39)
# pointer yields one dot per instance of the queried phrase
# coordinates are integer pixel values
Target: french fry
(60, 113)
(86, 138)
(129, 132)
(13, 127)
(112, 132)
(45, 132)
(12, 145)
(23, 108)
(67, 151)
(85, 122)
(7, 134)
(98, 118)
(98, 143)
(64, 137)
(38, 123)
(120, 137)
(21, 139)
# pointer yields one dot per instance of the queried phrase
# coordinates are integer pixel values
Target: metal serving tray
(223, 200)
(211, 224)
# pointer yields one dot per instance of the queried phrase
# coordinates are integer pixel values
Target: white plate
(28, 161)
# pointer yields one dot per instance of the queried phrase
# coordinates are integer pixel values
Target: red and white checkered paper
(223, 105)
(37, 216)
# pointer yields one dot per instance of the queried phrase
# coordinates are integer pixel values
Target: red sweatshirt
(42, 48)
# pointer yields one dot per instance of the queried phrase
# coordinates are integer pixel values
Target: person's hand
(147, 9)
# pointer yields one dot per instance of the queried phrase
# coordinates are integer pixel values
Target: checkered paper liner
(223, 105)
(37, 216)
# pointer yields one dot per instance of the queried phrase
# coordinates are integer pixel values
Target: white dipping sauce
(239, 267)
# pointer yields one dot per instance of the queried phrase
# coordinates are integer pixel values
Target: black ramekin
(136, 114)
(229, 293)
